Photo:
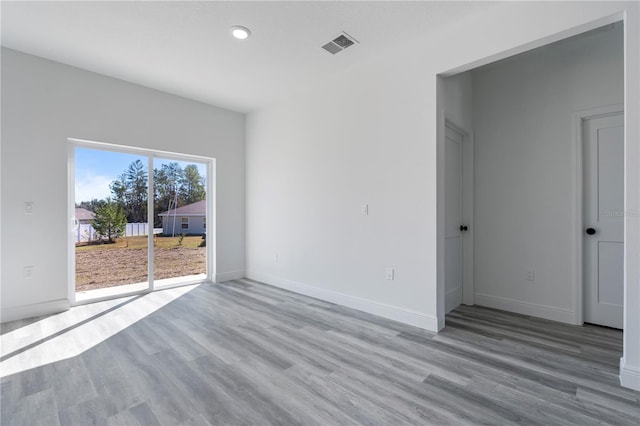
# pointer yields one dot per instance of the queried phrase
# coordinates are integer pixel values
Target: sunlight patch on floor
(70, 333)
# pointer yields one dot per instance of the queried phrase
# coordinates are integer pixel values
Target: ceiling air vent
(339, 43)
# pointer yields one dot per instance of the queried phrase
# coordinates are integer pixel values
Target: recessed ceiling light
(240, 32)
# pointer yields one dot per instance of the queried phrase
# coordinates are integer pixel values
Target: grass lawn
(142, 243)
(125, 261)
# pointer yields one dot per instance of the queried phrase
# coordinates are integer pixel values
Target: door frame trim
(578, 118)
(467, 208)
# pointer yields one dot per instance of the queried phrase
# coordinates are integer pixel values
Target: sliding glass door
(139, 220)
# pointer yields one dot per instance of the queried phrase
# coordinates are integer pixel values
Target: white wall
(524, 175)
(312, 163)
(371, 136)
(43, 104)
(457, 93)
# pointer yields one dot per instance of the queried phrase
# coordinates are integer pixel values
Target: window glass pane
(180, 206)
(111, 228)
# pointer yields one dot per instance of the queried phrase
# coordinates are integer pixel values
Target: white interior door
(453, 218)
(603, 147)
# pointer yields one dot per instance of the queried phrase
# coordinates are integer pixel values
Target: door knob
(591, 231)
(464, 228)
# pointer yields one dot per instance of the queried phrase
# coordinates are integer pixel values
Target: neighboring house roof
(199, 208)
(84, 214)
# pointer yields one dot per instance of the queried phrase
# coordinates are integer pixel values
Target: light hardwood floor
(243, 353)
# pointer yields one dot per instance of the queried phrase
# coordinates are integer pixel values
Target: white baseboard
(629, 377)
(228, 276)
(451, 299)
(35, 310)
(526, 308)
(395, 313)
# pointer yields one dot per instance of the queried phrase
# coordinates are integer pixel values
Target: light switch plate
(28, 272)
(390, 273)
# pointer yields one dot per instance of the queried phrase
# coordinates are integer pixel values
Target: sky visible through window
(95, 169)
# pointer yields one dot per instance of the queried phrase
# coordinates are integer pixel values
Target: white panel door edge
(603, 215)
(453, 218)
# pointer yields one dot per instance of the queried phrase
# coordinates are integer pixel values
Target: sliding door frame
(151, 155)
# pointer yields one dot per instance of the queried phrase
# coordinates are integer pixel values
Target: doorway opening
(527, 208)
(139, 220)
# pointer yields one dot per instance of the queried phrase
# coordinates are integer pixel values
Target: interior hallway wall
(524, 168)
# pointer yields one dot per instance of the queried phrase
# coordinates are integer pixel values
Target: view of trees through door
(115, 234)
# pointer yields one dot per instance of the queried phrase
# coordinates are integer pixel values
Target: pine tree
(130, 192)
(110, 220)
(136, 184)
(192, 186)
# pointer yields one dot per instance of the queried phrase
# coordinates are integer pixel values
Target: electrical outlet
(390, 273)
(28, 272)
(28, 207)
(530, 275)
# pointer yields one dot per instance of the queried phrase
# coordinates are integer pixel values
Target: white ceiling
(185, 48)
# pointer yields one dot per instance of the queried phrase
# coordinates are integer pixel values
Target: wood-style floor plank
(244, 353)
